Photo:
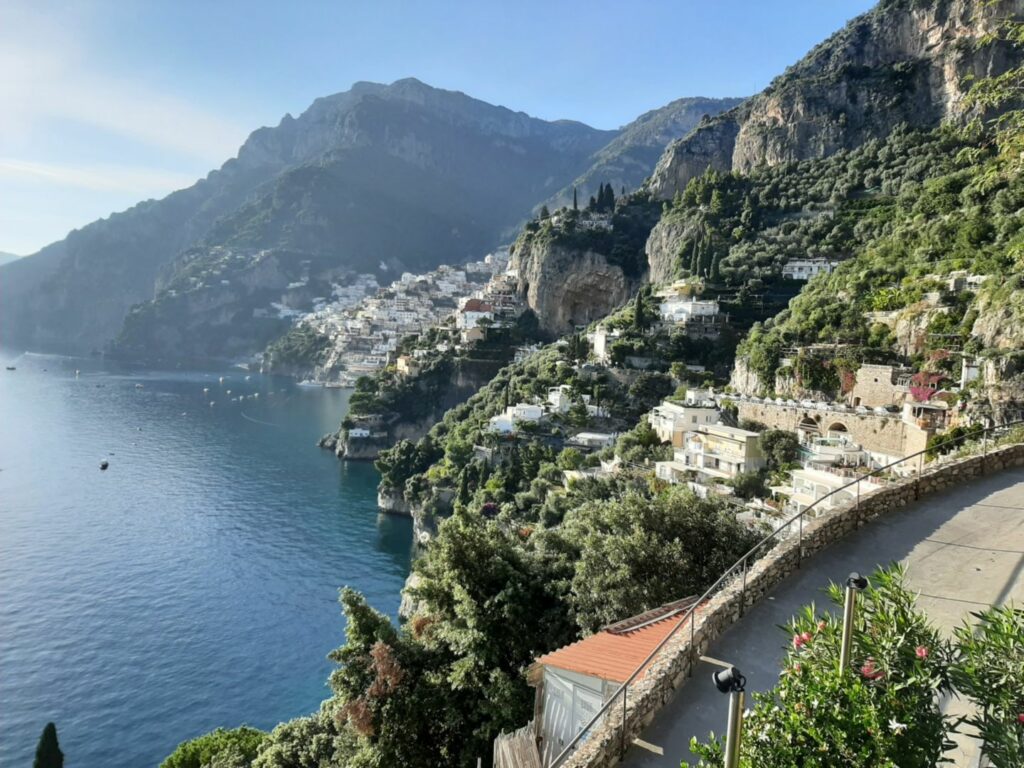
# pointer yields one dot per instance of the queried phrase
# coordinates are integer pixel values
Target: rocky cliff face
(567, 287)
(903, 62)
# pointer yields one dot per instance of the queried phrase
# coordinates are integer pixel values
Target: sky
(104, 103)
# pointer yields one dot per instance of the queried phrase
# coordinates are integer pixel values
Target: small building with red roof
(574, 681)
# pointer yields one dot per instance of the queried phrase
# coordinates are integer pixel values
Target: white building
(682, 309)
(805, 269)
(593, 440)
(560, 399)
(807, 486)
(670, 420)
(719, 453)
(505, 423)
(601, 341)
(472, 312)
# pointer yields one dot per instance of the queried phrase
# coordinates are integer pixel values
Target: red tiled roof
(612, 655)
(476, 305)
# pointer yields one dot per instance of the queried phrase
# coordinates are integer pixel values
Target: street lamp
(732, 681)
(854, 583)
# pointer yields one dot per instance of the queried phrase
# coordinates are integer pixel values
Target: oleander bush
(882, 712)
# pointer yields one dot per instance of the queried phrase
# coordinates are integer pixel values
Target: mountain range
(380, 178)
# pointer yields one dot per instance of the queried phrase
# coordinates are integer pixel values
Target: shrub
(990, 669)
(881, 713)
(221, 746)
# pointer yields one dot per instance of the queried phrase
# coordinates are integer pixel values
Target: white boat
(309, 383)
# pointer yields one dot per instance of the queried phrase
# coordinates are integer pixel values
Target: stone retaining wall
(671, 667)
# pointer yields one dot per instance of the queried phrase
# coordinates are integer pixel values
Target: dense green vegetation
(302, 348)
(217, 749)
(440, 358)
(631, 217)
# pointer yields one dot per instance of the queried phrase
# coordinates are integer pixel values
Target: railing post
(624, 689)
(800, 547)
(693, 650)
(743, 589)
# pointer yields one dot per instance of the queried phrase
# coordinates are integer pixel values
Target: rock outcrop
(567, 287)
(902, 62)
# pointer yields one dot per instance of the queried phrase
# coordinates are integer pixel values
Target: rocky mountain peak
(905, 61)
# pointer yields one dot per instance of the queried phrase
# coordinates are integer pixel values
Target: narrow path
(964, 550)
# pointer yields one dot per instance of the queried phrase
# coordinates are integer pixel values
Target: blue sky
(107, 102)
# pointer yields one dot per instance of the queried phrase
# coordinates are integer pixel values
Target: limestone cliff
(568, 287)
(902, 62)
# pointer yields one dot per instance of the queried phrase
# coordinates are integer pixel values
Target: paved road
(964, 550)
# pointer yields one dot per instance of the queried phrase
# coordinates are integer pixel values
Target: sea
(194, 582)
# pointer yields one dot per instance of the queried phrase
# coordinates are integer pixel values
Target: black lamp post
(854, 583)
(732, 681)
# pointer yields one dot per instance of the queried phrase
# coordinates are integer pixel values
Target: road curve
(964, 550)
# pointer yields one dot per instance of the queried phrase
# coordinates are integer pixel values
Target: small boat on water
(104, 464)
(139, 386)
(309, 383)
(11, 368)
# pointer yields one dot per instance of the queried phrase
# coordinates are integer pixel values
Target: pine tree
(593, 204)
(544, 212)
(48, 754)
(575, 206)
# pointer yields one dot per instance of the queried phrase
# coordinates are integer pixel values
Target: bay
(193, 584)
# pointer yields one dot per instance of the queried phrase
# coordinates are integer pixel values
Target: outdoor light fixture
(730, 680)
(854, 583)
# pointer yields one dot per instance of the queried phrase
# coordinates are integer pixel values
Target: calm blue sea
(194, 583)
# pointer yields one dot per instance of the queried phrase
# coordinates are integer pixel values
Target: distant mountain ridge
(404, 174)
(628, 159)
(6, 258)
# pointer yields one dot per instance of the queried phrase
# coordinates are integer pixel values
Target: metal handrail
(742, 563)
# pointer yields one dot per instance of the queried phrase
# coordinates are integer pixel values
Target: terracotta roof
(612, 654)
(476, 305)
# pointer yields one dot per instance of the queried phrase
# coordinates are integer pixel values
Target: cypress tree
(544, 212)
(593, 204)
(48, 754)
(575, 207)
(639, 320)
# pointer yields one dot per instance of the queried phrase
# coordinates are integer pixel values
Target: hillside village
(359, 330)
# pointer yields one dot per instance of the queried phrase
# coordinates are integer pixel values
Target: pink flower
(870, 670)
(798, 641)
(1020, 717)
(821, 625)
(806, 637)
(797, 668)
(921, 652)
